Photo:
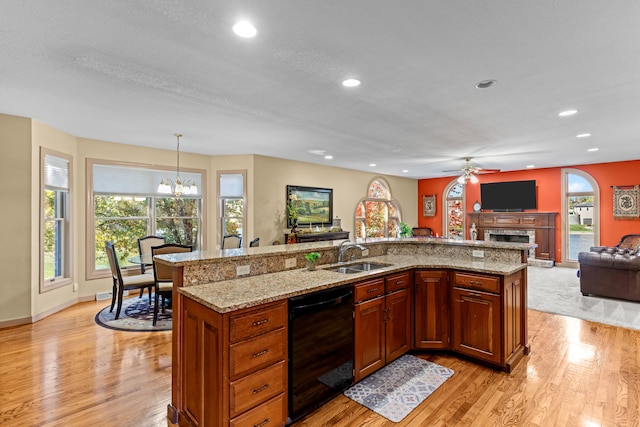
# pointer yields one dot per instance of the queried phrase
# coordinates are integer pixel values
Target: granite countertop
(234, 294)
(203, 257)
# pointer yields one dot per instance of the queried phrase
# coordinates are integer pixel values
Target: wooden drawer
(368, 290)
(257, 322)
(257, 353)
(476, 281)
(269, 414)
(397, 281)
(257, 388)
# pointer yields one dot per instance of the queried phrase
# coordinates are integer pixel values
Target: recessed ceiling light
(583, 135)
(328, 157)
(351, 83)
(593, 149)
(405, 170)
(567, 113)
(531, 166)
(318, 152)
(485, 84)
(373, 165)
(245, 29)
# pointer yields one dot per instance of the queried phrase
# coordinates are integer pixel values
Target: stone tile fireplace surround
(521, 227)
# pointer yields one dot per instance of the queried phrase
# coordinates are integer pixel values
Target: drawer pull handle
(370, 291)
(399, 282)
(265, 422)
(260, 353)
(474, 282)
(260, 322)
(259, 389)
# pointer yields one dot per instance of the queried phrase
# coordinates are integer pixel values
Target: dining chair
(231, 241)
(163, 274)
(120, 283)
(144, 249)
(255, 242)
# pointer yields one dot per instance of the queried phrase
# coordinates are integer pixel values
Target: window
(55, 257)
(231, 188)
(125, 206)
(378, 215)
(580, 214)
(454, 213)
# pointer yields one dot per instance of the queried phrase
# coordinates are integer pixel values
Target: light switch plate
(243, 270)
(478, 254)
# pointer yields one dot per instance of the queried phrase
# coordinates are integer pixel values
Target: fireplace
(538, 227)
(513, 236)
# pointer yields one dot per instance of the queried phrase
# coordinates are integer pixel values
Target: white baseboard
(107, 295)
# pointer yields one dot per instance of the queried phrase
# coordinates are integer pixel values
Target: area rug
(395, 390)
(557, 290)
(136, 315)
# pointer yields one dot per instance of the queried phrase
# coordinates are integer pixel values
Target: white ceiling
(136, 72)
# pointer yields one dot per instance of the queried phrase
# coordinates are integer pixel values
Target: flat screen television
(510, 196)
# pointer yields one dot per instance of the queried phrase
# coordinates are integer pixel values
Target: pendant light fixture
(179, 187)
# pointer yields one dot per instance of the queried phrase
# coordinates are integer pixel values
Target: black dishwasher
(320, 348)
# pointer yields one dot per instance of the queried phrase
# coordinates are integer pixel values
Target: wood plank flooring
(67, 371)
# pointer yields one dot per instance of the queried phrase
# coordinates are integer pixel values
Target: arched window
(453, 220)
(377, 214)
(580, 214)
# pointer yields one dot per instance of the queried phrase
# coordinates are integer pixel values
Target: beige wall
(16, 250)
(267, 178)
(272, 175)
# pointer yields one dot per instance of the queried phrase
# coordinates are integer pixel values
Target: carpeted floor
(395, 390)
(557, 290)
(136, 315)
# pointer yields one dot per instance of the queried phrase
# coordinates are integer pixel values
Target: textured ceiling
(137, 72)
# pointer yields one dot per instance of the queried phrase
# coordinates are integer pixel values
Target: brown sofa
(612, 271)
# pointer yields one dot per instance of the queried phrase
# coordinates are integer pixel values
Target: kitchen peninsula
(230, 327)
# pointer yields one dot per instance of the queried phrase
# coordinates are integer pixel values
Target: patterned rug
(399, 387)
(136, 315)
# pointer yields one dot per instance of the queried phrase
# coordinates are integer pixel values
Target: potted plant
(312, 258)
(405, 230)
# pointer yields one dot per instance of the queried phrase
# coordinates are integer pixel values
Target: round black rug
(136, 315)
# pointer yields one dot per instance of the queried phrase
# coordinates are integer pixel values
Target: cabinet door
(431, 310)
(369, 337)
(476, 324)
(398, 324)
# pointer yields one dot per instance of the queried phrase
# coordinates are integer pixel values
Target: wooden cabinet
(382, 315)
(234, 369)
(319, 237)
(431, 310)
(488, 317)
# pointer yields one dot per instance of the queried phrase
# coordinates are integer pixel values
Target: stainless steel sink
(359, 267)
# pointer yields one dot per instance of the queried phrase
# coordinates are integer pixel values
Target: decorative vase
(311, 266)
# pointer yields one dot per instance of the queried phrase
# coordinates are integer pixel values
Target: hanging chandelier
(167, 186)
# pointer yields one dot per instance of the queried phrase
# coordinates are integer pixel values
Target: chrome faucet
(345, 247)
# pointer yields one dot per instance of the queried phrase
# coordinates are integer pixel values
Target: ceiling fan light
(461, 179)
(474, 179)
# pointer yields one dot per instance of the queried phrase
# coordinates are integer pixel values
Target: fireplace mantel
(542, 223)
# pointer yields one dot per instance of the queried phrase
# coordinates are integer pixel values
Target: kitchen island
(230, 336)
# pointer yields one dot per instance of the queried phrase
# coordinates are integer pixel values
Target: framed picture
(429, 205)
(625, 202)
(312, 205)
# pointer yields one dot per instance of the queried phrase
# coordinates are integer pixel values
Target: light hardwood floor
(67, 371)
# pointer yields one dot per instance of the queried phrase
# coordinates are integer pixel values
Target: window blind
(56, 173)
(112, 179)
(231, 185)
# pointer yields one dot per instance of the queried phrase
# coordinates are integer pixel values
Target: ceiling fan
(469, 172)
